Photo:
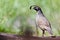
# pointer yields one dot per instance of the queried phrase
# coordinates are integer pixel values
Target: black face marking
(37, 9)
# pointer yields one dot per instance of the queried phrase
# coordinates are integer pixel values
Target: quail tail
(49, 30)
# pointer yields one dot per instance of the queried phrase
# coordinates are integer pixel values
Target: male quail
(41, 20)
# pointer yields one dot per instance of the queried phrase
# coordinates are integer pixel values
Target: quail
(41, 20)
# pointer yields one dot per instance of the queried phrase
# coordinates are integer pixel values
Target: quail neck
(40, 13)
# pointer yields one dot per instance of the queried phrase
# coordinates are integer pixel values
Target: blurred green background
(16, 17)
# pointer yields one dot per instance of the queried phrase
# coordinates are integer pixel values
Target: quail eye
(36, 8)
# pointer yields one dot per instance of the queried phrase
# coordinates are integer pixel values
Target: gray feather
(49, 30)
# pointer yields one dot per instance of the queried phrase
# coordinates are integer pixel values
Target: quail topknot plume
(41, 20)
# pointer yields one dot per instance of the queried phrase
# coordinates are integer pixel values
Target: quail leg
(43, 32)
(36, 30)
